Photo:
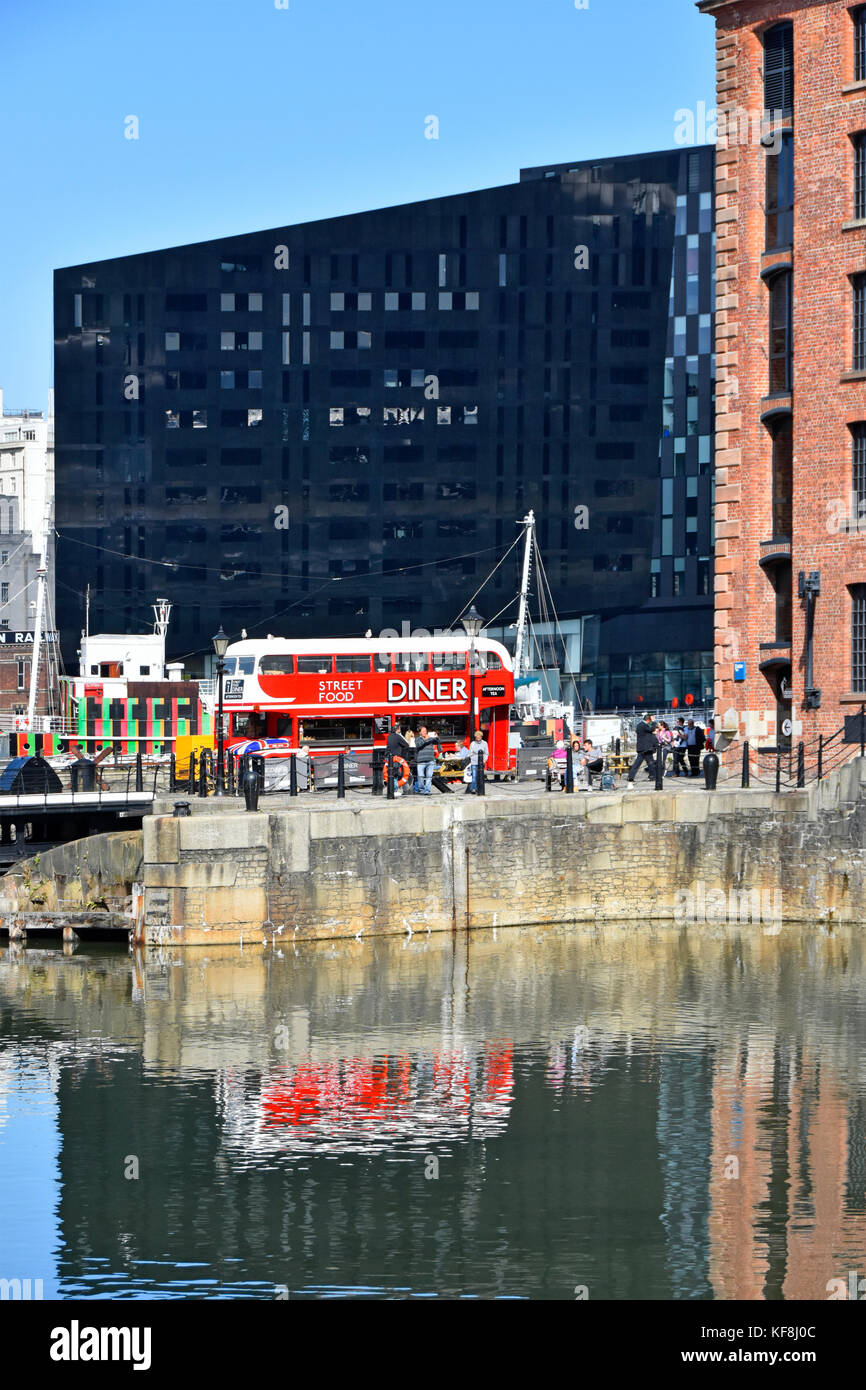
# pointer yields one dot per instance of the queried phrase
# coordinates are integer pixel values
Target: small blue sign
(739, 670)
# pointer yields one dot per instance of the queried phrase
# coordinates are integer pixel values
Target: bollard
(390, 768)
(480, 781)
(182, 808)
(744, 781)
(569, 769)
(377, 772)
(549, 779)
(711, 771)
(293, 776)
(659, 770)
(202, 773)
(341, 776)
(801, 764)
(251, 788)
(139, 778)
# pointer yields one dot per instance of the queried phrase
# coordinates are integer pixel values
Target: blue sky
(252, 116)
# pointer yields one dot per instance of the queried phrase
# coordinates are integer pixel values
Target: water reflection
(650, 1114)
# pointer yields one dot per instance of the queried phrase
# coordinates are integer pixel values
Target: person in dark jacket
(427, 749)
(695, 744)
(647, 748)
(398, 747)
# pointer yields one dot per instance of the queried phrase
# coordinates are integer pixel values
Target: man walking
(427, 749)
(647, 748)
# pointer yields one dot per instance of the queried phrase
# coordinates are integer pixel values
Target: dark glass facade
(331, 427)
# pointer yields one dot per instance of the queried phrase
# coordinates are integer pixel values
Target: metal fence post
(744, 781)
(659, 768)
(390, 768)
(548, 779)
(377, 772)
(172, 773)
(293, 776)
(820, 756)
(190, 780)
(862, 730)
(202, 773)
(139, 781)
(569, 770)
(480, 780)
(801, 764)
(341, 776)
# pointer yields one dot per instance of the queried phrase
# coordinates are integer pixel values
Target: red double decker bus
(347, 693)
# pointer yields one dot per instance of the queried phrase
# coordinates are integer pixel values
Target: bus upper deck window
(494, 661)
(276, 665)
(353, 663)
(320, 664)
(384, 661)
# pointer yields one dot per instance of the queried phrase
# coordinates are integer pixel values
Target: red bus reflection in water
(370, 1104)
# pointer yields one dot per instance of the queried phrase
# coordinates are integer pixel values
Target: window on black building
(859, 18)
(859, 143)
(858, 637)
(780, 333)
(858, 285)
(779, 70)
(780, 195)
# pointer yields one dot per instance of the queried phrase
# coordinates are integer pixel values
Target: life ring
(398, 763)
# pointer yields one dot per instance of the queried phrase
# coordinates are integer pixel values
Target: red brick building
(791, 365)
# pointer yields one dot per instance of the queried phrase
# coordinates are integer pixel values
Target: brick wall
(825, 395)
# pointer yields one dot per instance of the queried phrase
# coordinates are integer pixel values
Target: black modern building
(336, 426)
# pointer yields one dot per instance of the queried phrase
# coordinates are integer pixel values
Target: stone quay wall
(417, 866)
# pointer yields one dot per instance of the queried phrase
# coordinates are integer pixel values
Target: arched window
(780, 333)
(783, 473)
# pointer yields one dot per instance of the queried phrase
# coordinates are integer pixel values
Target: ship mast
(521, 659)
(41, 576)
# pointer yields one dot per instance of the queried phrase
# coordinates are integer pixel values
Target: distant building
(336, 426)
(26, 499)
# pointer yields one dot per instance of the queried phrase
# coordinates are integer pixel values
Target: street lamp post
(220, 646)
(473, 623)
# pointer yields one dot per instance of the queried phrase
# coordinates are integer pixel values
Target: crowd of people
(684, 743)
(420, 753)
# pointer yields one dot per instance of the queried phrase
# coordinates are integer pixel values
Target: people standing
(478, 753)
(664, 738)
(647, 748)
(427, 749)
(398, 747)
(679, 748)
(695, 742)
